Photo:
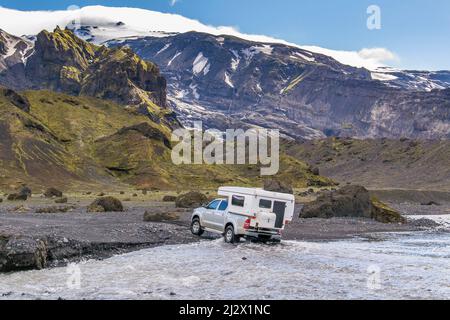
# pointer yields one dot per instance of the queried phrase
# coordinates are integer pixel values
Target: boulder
(278, 186)
(350, 201)
(53, 193)
(22, 253)
(160, 217)
(1, 200)
(383, 213)
(17, 197)
(106, 204)
(20, 209)
(167, 199)
(55, 209)
(191, 199)
(424, 223)
(18, 100)
(61, 200)
(95, 209)
(315, 171)
(430, 203)
(25, 191)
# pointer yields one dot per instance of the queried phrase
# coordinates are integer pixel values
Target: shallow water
(383, 266)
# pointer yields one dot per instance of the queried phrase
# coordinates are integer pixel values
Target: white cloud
(140, 22)
(173, 2)
(370, 58)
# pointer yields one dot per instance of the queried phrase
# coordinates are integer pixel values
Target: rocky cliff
(60, 61)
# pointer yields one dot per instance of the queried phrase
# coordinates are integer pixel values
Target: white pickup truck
(245, 212)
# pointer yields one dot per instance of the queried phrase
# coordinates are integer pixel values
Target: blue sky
(417, 31)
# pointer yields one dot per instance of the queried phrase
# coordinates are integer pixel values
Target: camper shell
(267, 210)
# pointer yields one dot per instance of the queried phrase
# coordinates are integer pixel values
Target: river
(382, 266)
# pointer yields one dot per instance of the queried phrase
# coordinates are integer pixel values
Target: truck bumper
(263, 234)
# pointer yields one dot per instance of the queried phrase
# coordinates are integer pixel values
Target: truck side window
(265, 204)
(238, 201)
(223, 205)
(213, 205)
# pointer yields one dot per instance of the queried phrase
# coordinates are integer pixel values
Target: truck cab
(245, 212)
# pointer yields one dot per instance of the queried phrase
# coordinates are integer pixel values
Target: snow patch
(304, 57)
(235, 61)
(200, 64)
(252, 51)
(228, 80)
(174, 57)
(195, 93)
(163, 48)
(383, 76)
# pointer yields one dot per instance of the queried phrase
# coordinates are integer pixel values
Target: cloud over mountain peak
(141, 22)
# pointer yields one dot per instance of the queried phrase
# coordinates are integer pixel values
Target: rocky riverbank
(61, 234)
(68, 233)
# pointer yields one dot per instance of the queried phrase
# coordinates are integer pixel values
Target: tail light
(247, 224)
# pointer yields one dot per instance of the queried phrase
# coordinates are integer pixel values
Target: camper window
(265, 204)
(238, 201)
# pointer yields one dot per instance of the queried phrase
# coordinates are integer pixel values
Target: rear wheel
(230, 236)
(196, 227)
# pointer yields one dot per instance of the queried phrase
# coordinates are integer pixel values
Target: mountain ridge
(227, 81)
(60, 61)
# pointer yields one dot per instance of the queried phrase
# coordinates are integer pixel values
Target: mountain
(379, 163)
(98, 24)
(413, 80)
(62, 62)
(50, 139)
(246, 81)
(227, 81)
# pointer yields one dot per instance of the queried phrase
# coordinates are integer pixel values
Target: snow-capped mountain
(226, 79)
(108, 23)
(413, 80)
(14, 49)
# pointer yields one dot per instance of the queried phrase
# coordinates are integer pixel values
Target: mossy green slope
(380, 163)
(79, 143)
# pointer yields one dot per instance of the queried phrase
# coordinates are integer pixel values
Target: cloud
(139, 22)
(173, 2)
(369, 58)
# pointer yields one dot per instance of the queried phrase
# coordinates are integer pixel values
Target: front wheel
(230, 236)
(196, 227)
